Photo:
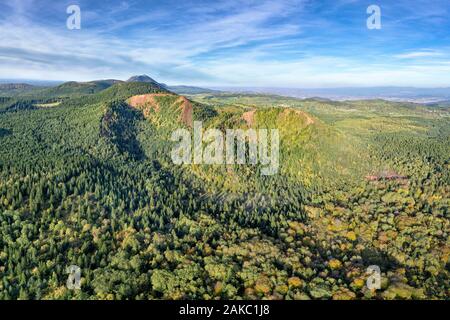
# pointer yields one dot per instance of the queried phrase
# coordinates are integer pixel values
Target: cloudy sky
(283, 43)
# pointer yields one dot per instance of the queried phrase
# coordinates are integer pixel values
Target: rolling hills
(86, 178)
(73, 88)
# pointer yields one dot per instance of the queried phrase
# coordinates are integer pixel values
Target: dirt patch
(186, 111)
(309, 120)
(147, 103)
(249, 117)
(386, 175)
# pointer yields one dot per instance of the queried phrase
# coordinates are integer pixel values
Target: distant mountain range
(433, 96)
(410, 94)
(15, 86)
(12, 87)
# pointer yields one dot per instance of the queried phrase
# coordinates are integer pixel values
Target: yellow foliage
(344, 294)
(358, 283)
(351, 236)
(218, 287)
(335, 264)
(294, 282)
(263, 285)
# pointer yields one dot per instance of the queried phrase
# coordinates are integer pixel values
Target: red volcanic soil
(249, 117)
(386, 175)
(186, 110)
(146, 100)
(147, 103)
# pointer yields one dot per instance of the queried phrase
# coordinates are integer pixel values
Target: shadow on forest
(119, 125)
(372, 256)
(129, 141)
(5, 132)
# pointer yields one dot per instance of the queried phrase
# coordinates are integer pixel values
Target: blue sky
(284, 43)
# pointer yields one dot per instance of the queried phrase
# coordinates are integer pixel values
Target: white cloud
(419, 54)
(209, 50)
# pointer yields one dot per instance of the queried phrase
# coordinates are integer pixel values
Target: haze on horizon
(289, 43)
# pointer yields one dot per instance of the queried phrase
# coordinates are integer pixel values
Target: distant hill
(82, 87)
(146, 79)
(176, 89)
(70, 88)
(142, 78)
(440, 104)
(12, 86)
(67, 89)
(125, 90)
(64, 90)
(107, 82)
(191, 90)
(74, 88)
(8, 89)
(418, 95)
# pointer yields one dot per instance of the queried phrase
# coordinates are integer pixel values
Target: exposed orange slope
(148, 103)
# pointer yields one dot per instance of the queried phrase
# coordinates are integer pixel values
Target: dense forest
(86, 179)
